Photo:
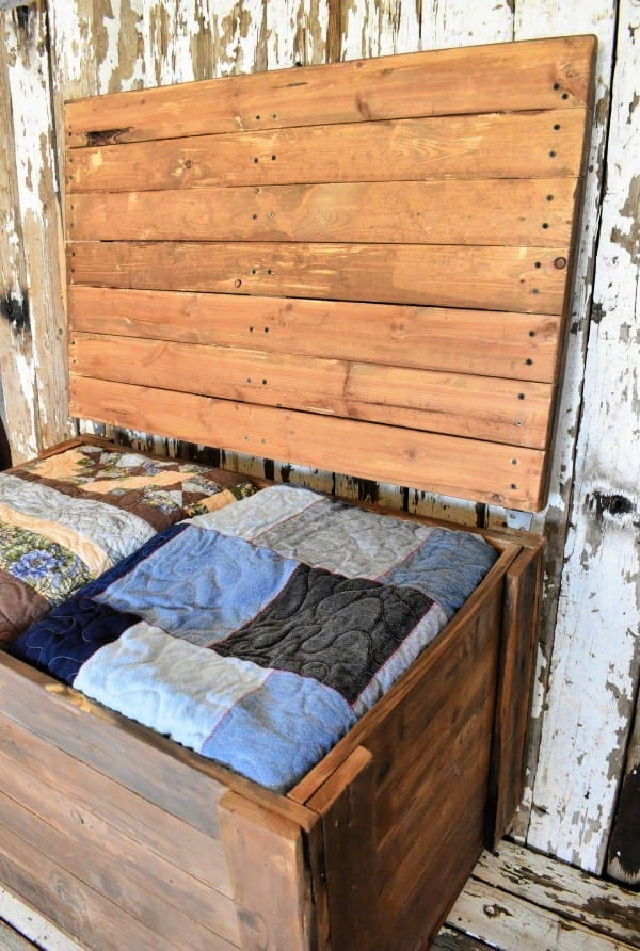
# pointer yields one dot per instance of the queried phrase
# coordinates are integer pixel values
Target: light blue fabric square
(448, 567)
(202, 585)
(277, 733)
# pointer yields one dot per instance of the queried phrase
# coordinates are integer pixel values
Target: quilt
(67, 518)
(258, 635)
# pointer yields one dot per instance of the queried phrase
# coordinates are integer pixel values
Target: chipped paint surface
(594, 670)
(548, 18)
(100, 46)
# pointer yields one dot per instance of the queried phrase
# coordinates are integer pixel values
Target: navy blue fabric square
(337, 630)
(72, 632)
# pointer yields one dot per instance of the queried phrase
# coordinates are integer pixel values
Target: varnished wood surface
(507, 411)
(266, 855)
(526, 212)
(347, 190)
(528, 279)
(346, 806)
(520, 637)
(490, 343)
(478, 469)
(539, 74)
(494, 145)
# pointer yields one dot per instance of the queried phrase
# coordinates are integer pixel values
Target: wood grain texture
(520, 633)
(510, 922)
(529, 212)
(596, 904)
(10, 940)
(481, 469)
(138, 758)
(35, 926)
(32, 326)
(416, 84)
(266, 856)
(94, 920)
(110, 806)
(489, 343)
(507, 411)
(473, 276)
(143, 887)
(346, 805)
(496, 145)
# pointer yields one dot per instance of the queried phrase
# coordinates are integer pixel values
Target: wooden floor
(516, 900)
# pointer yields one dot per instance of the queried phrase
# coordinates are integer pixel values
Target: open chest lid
(363, 267)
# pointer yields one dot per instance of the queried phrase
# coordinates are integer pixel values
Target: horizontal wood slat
(493, 343)
(534, 212)
(539, 74)
(480, 407)
(132, 879)
(483, 471)
(131, 816)
(495, 145)
(521, 278)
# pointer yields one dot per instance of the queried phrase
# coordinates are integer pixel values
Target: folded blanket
(259, 634)
(67, 518)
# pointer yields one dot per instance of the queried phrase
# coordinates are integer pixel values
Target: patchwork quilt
(67, 518)
(257, 635)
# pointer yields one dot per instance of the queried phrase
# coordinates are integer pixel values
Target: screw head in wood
(560, 263)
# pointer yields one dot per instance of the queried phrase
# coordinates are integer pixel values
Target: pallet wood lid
(362, 266)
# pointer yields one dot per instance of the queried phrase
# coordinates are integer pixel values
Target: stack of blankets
(259, 633)
(67, 518)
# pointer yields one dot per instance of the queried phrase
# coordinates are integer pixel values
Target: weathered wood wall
(582, 756)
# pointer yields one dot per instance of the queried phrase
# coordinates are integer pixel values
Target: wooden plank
(492, 343)
(266, 857)
(93, 920)
(506, 922)
(449, 940)
(499, 145)
(567, 892)
(136, 757)
(508, 411)
(520, 635)
(34, 925)
(131, 889)
(544, 74)
(530, 212)
(80, 836)
(475, 468)
(32, 336)
(471, 276)
(10, 940)
(37, 761)
(346, 804)
(594, 678)
(431, 759)
(17, 377)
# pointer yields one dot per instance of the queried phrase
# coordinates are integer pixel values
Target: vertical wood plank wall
(581, 747)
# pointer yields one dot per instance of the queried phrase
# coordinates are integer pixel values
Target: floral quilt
(67, 518)
(259, 634)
